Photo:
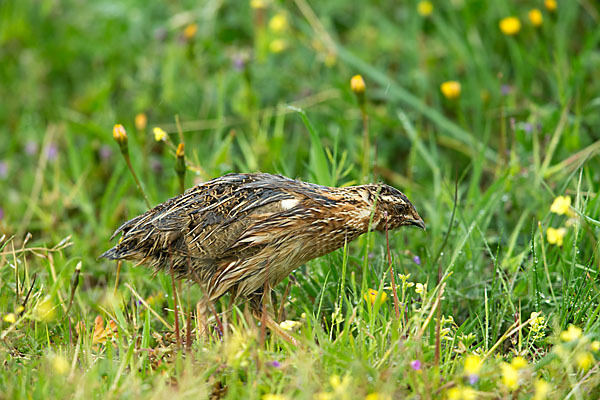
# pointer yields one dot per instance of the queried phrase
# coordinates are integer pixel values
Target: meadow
(486, 114)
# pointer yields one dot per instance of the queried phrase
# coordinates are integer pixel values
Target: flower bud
(120, 137)
(357, 84)
(180, 162)
(180, 150)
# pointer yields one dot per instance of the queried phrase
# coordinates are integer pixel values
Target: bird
(242, 232)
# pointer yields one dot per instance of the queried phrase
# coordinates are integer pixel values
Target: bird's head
(394, 207)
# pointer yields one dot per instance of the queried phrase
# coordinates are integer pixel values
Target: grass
(489, 307)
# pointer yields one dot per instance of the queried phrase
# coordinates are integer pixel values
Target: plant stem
(396, 303)
(137, 181)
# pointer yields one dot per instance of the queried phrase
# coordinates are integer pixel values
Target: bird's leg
(268, 322)
(203, 309)
(204, 306)
(274, 327)
(265, 299)
(228, 314)
(202, 317)
(282, 302)
(188, 329)
(175, 303)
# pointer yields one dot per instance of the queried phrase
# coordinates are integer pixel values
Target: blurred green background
(70, 70)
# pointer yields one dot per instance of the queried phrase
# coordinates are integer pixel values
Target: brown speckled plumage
(240, 230)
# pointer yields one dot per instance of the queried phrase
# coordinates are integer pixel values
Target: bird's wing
(203, 221)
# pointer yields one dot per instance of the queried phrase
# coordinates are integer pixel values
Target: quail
(241, 232)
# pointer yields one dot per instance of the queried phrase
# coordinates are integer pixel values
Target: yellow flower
(190, 31)
(561, 205)
(10, 318)
(584, 360)
(289, 325)
(595, 345)
(155, 298)
(571, 334)
(60, 364)
(377, 396)
(510, 376)
(159, 134)
(119, 134)
(461, 393)
(473, 364)
(450, 89)
(453, 394)
(371, 296)
(256, 4)
(535, 16)
(550, 5)
(339, 385)
(537, 320)
(277, 46)
(45, 311)
(555, 236)
(278, 23)
(542, 388)
(357, 84)
(510, 25)
(421, 288)
(335, 381)
(425, 8)
(141, 121)
(519, 363)
(273, 397)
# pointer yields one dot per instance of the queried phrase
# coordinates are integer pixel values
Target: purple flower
(527, 127)
(105, 152)
(156, 165)
(417, 260)
(52, 151)
(160, 34)
(239, 62)
(506, 89)
(473, 379)
(416, 365)
(31, 147)
(275, 364)
(3, 169)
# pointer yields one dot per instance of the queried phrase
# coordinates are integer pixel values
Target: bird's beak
(418, 222)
